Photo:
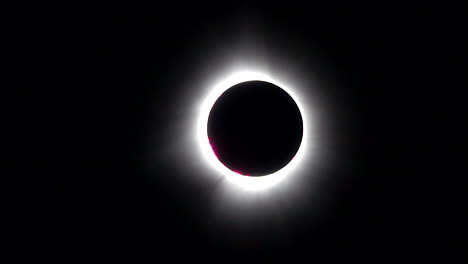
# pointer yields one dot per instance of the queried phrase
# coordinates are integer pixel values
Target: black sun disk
(255, 128)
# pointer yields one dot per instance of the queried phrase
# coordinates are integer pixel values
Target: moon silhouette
(255, 128)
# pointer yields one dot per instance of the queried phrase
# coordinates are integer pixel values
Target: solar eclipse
(255, 128)
(244, 129)
(264, 135)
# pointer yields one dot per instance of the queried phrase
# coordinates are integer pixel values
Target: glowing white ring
(245, 182)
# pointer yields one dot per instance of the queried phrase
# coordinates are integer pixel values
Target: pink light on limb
(213, 149)
(237, 172)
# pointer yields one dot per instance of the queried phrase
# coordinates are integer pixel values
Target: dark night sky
(104, 76)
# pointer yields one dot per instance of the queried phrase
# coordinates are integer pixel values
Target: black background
(95, 73)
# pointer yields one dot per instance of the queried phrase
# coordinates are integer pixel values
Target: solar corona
(245, 118)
